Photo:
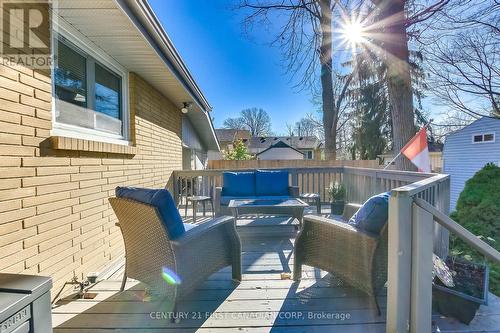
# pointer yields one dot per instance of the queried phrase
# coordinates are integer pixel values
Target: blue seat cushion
(188, 226)
(373, 215)
(162, 200)
(224, 200)
(274, 197)
(270, 183)
(238, 184)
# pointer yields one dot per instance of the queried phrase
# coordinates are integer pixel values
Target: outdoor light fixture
(185, 108)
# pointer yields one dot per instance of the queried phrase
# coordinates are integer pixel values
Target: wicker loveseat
(174, 266)
(258, 184)
(357, 257)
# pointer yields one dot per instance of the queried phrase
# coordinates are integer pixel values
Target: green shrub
(478, 210)
(336, 191)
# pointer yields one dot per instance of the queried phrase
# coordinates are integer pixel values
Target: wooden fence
(286, 164)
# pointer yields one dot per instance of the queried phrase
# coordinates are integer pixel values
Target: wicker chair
(358, 258)
(193, 256)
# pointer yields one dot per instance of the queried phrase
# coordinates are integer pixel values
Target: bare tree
(463, 56)
(256, 120)
(306, 126)
(290, 129)
(306, 42)
(451, 121)
(234, 123)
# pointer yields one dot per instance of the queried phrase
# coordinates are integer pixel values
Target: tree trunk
(399, 80)
(329, 111)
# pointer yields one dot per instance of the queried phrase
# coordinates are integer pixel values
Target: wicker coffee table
(293, 207)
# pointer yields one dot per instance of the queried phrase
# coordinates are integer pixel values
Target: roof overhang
(130, 32)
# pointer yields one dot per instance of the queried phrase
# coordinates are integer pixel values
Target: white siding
(192, 144)
(462, 158)
(281, 154)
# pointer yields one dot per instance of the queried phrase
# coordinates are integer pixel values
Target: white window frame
(482, 135)
(74, 37)
(307, 152)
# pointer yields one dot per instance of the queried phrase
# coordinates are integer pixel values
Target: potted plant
(470, 290)
(336, 192)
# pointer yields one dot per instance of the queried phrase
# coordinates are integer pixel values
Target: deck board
(262, 302)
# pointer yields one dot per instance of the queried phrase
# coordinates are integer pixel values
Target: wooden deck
(265, 301)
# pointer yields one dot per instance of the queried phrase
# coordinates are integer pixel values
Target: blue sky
(233, 70)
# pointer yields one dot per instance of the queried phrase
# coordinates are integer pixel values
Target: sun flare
(353, 32)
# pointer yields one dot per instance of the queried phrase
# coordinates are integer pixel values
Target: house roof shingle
(279, 144)
(296, 142)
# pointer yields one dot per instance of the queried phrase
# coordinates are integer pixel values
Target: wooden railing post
(399, 262)
(175, 187)
(421, 270)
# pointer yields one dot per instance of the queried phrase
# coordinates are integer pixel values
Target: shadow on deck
(267, 300)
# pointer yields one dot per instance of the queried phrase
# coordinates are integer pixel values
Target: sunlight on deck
(267, 300)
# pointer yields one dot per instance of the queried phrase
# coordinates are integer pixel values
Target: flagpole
(390, 163)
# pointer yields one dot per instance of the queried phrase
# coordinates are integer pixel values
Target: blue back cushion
(373, 215)
(269, 183)
(162, 200)
(238, 184)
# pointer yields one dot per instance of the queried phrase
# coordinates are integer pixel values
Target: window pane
(478, 138)
(70, 76)
(488, 137)
(107, 92)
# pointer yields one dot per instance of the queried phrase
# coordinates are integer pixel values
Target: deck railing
(418, 226)
(361, 183)
(416, 212)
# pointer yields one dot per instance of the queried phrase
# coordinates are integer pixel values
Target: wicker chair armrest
(201, 230)
(350, 209)
(293, 191)
(339, 227)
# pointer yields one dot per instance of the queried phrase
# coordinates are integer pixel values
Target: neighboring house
(469, 149)
(435, 156)
(226, 137)
(309, 146)
(108, 114)
(280, 151)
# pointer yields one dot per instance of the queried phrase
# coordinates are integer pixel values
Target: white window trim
(64, 29)
(306, 153)
(483, 134)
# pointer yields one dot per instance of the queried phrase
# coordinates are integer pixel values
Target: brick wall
(54, 216)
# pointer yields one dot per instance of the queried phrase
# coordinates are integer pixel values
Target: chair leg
(297, 271)
(175, 319)
(212, 204)
(377, 305)
(124, 279)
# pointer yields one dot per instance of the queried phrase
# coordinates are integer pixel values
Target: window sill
(66, 143)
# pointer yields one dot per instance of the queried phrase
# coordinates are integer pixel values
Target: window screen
(478, 138)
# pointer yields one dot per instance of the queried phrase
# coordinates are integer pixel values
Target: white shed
(280, 151)
(468, 150)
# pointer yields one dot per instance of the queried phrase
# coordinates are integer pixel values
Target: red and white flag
(417, 151)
